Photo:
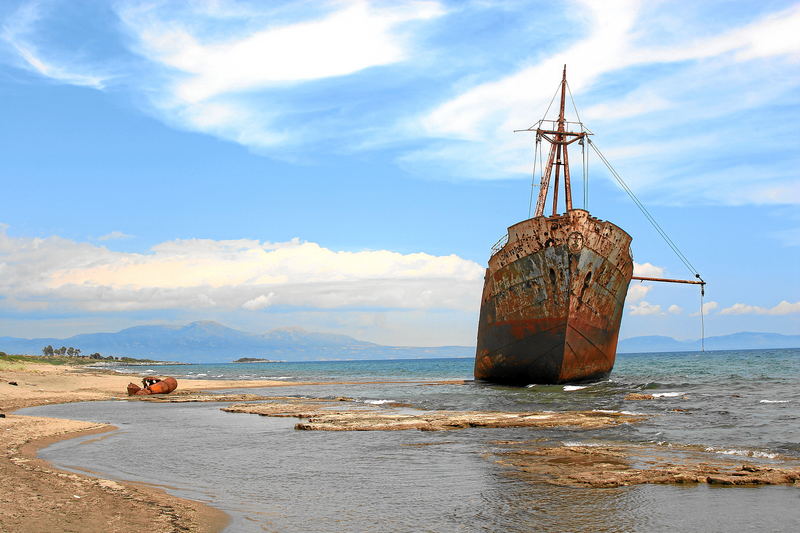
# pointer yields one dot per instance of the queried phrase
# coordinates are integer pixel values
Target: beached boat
(555, 285)
(153, 385)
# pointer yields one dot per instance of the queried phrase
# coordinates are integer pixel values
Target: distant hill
(207, 341)
(736, 341)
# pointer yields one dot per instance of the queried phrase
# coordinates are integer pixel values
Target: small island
(256, 360)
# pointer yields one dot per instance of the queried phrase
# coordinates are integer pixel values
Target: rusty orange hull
(165, 386)
(552, 301)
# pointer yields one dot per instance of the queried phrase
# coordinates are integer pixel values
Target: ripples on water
(273, 478)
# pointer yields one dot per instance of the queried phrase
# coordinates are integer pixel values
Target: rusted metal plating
(552, 301)
(153, 385)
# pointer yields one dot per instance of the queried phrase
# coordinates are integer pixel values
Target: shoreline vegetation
(75, 359)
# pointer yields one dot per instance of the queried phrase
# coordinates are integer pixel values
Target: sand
(35, 496)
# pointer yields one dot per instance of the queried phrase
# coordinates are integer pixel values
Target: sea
(270, 477)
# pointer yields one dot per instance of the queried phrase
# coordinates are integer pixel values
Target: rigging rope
(533, 174)
(628, 190)
(663, 235)
(645, 212)
(553, 99)
(573, 104)
(584, 155)
(585, 162)
(702, 320)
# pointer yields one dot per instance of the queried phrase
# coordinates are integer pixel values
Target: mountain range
(744, 340)
(211, 342)
(207, 341)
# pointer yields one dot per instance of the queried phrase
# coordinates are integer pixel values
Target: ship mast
(559, 138)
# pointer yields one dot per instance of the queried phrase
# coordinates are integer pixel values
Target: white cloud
(708, 307)
(783, 308)
(261, 301)
(611, 45)
(116, 234)
(639, 102)
(473, 130)
(216, 60)
(647, 270)
(637, 291)
(495, 107)
(674, 309)
(196, 273)
(252, 74)
(645, 308)
(16, 31)
(352, 38)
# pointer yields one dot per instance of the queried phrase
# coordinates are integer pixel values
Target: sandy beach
(35, 496)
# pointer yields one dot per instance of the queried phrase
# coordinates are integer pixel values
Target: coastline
(684, 439)
(35, 495)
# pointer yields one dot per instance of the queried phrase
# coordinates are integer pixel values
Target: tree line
(69, 351)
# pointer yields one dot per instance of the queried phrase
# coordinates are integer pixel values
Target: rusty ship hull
(552, 301)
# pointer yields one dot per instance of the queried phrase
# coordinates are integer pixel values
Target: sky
(346, 166)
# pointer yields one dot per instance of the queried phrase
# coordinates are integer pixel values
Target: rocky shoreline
(36, 496)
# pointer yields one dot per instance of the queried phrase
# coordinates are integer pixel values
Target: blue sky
(346, 166)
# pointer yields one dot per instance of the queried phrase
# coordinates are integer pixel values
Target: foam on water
(743, 453)
(613, 411)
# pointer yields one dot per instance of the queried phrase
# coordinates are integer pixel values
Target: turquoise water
(270, 477)
(399, 369)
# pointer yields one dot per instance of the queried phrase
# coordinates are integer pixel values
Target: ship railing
(496, 247)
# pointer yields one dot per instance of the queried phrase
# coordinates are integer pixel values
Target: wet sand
(35, 496)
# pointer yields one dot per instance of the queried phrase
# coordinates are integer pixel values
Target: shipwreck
(555, 285)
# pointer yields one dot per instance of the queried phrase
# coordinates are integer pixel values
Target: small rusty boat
(153, 385)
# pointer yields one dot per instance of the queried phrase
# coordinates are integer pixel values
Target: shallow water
(270, 477)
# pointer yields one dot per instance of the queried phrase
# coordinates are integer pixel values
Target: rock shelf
(322, 417)
(615, 466)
